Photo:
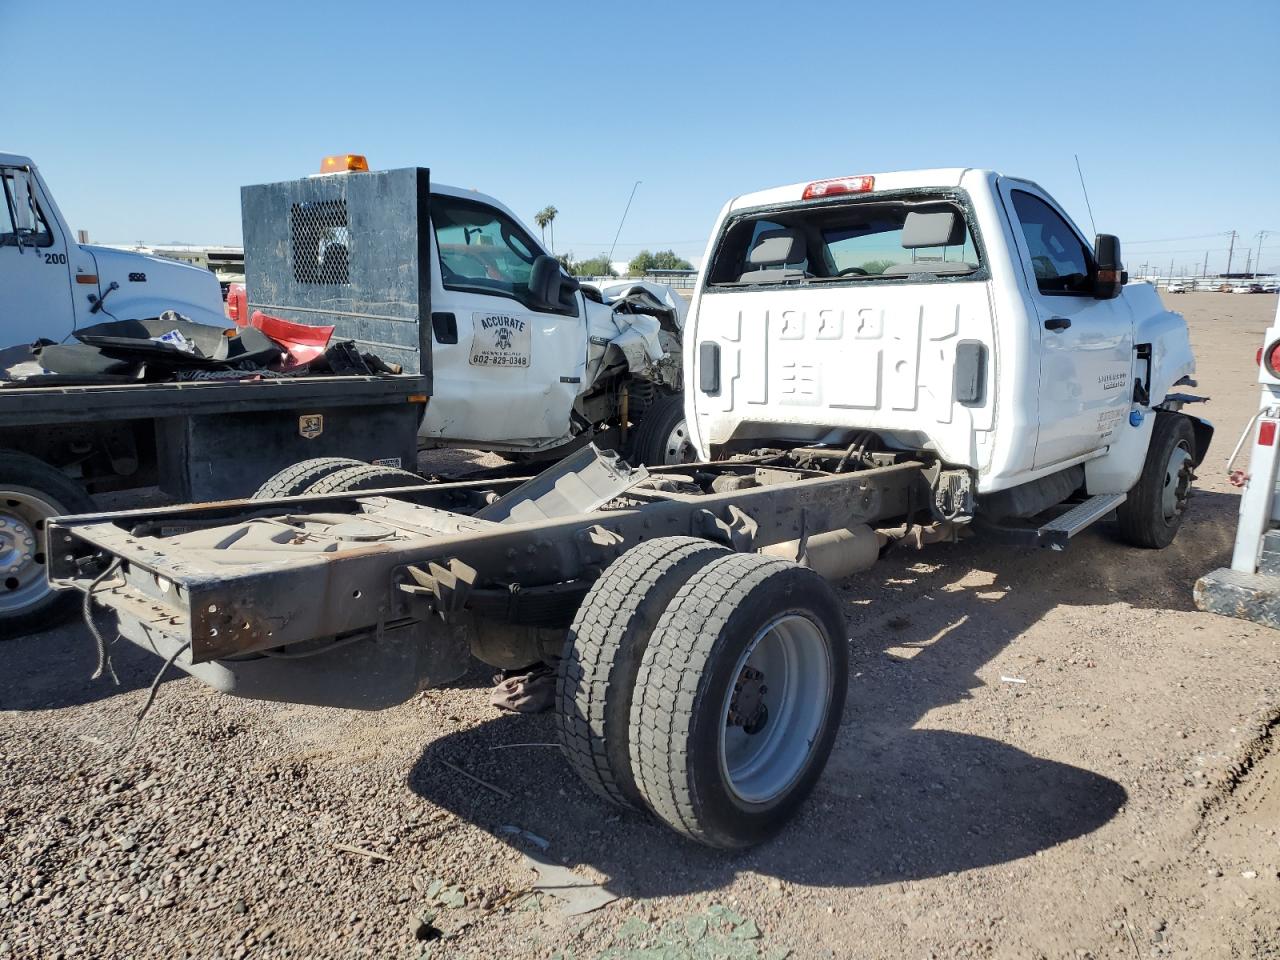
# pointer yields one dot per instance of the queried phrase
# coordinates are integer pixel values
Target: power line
(1198, 236)
(1085, 191)
(627, 210)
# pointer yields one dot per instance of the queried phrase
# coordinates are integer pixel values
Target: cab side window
(481, 249)
(1060, 259)
(21, 221)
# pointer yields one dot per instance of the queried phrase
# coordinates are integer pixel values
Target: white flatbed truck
(61, 445)
(932, 352)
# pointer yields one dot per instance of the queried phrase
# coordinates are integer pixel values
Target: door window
(21, 222)
(1058, 256)
(481, 249)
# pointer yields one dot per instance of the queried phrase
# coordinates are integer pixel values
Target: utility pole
(1171, 268)
(1231, 250)
(1204, 272)
(1257, 264)
(1248, 261)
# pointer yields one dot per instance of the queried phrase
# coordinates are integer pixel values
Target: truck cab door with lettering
(1086, 345)
(506, 370)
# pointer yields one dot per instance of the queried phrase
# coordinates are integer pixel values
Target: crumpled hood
(663, 293)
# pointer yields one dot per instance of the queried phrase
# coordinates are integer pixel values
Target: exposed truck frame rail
(231, 609)
(687, 604)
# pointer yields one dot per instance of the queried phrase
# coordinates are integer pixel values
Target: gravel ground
(1123, 801)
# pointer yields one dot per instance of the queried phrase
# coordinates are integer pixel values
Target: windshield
(916, 240)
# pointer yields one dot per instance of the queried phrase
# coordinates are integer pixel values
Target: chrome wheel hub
(678, 448)
(23, 513)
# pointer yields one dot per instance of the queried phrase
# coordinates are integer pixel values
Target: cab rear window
(918, 240)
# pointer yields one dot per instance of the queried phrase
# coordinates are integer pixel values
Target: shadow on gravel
(891, 807)
(897, 802)
(45, 671)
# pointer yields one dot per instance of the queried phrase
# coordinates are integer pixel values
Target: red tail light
(1269, 359)
(237, 305)
(1267, 433)
(829, 188)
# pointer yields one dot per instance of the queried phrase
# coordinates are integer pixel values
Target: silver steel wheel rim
(791, 655)
(23, 512)
(678, 448)
(1177, 482)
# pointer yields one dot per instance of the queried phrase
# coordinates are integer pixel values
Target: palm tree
(544, 218)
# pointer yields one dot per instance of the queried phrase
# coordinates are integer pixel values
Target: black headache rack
(363, 600)
(350, 250)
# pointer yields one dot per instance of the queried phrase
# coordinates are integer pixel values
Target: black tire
(296, 480)
(366, 476)
(662, 437)
(1147, 518)
(687, 682)
(602, 654)
(31, 492)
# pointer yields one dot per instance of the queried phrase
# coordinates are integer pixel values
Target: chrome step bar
(1058, 531)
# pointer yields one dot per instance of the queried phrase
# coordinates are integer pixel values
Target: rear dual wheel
(324, 475)
(733, 691)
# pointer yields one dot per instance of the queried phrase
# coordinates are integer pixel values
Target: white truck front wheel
(1157, 504)
(662, 436)
(31, 492)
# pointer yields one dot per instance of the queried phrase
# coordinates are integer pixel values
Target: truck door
(35, 281)
(505, 369)
(1086, 345)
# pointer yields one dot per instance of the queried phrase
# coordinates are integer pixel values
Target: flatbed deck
(29, 406)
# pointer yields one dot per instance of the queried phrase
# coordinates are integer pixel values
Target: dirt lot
(1123, 801)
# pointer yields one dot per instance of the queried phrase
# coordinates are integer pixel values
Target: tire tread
(295, 480)
(594, 671)
(667, 683)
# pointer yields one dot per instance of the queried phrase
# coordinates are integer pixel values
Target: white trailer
(1250, 587)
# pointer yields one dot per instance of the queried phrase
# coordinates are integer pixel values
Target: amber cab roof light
(344, 163)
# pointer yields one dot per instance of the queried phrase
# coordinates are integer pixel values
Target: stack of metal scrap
(171, 348)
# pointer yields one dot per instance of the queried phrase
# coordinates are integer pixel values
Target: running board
(1056, 533)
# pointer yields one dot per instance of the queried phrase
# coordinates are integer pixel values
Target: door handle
(1057, 323)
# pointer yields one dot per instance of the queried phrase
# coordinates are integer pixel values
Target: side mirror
(548, 283)
(1109, 275)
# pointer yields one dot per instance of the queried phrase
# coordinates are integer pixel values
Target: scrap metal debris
(171, 347)
(576, 894)
(528, 691)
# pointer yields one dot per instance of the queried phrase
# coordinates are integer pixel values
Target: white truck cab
(956, 312)
(524, 359)
(511, 369)
(50, 285)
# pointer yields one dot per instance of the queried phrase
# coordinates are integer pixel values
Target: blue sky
(147, 117)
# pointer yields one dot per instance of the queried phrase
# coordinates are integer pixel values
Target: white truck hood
(150, 285)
